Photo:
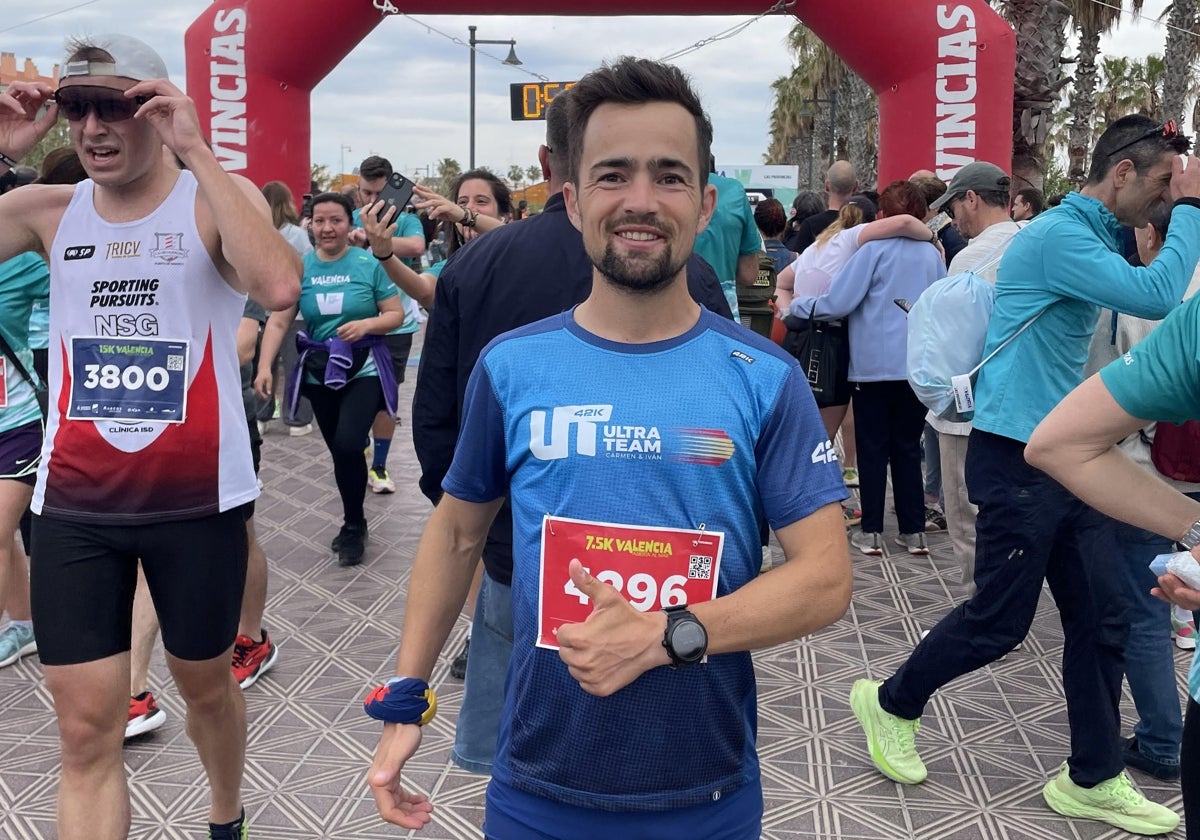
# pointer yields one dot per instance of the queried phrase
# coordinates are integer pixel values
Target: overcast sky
(403, 92)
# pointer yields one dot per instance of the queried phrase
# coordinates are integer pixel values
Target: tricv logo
(79, 252)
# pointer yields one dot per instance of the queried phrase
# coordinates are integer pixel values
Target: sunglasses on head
(108, 104)
(1167, 130)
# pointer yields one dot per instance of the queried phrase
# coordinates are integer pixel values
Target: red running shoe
(252, 659)
(144, 715)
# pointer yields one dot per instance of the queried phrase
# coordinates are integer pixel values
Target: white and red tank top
(146, 417)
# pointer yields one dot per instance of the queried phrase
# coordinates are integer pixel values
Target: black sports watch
(685, 639)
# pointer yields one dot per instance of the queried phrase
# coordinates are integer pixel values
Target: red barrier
(943, 71)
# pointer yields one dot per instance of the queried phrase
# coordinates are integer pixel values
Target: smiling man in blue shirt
(639, 413)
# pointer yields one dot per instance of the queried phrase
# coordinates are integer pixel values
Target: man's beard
(638, 276)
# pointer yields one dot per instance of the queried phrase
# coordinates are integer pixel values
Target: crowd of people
(591, 346)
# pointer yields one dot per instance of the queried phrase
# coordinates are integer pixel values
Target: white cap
(131, 59)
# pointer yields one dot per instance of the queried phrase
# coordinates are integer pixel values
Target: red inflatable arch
(943, 71)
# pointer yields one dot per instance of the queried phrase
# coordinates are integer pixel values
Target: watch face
(688, 640)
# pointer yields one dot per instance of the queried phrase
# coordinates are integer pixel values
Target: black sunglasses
(108, 104)
(1167, 130)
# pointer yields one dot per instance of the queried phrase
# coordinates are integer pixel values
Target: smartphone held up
(397, 192)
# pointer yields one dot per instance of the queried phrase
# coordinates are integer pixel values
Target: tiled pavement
(990, 740)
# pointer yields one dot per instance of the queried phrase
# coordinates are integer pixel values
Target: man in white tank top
(149, 270)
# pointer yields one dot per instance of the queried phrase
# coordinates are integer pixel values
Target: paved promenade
(990, 741)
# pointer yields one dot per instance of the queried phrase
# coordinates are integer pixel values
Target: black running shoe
(353, 544)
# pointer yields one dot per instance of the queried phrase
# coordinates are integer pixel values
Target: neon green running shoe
(1116, 802)
(891, 739)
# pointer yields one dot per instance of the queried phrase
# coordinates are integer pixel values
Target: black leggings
(1189, 767)
(344, 418)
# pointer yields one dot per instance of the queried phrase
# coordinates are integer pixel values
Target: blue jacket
(866, 289)
(1068, 262)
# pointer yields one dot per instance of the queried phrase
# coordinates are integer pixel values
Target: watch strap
(1191, 537)
(676, 615)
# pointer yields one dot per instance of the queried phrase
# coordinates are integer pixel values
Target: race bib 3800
(139, 379)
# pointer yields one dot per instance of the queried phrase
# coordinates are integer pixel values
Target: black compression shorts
(82, 578)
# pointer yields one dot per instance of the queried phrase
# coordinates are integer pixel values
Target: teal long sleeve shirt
(1068, 263)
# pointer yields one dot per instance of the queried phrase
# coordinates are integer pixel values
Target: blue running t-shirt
(716, 428)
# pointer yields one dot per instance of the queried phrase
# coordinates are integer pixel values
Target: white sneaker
(379, 480)
(868, 542)
(300, 431)
(913, 543)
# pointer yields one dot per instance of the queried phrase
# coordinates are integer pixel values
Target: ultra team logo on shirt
(596, 433)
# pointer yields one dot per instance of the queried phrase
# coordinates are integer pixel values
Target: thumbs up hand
(616, 645)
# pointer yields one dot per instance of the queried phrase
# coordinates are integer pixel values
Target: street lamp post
(511, 60)
(345, 149)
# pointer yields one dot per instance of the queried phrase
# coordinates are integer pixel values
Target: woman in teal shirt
(349, 303)
(23, 280)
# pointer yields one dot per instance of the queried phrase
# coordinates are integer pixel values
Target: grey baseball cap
(979, 176)
(131, 59)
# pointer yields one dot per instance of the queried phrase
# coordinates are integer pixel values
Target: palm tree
(799, 134)
(1150, 75)
(1041, 30)
(1091, 21)
(1179, 57)
(1118, 94)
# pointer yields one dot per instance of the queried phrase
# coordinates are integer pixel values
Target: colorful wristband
(7, 161)
(402, 700)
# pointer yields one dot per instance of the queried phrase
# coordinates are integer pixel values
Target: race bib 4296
(652, 568)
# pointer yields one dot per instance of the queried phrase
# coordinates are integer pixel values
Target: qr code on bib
(175, 362)
(699, 568)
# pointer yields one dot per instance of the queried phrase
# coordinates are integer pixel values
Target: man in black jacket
(513, 276)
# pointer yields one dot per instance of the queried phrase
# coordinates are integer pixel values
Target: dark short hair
(1160, 218)
(375, 167)
(807, 203)
(1034, 198)
(558, 133)
(994, 198)
(335, 198)
(931, 188)
(900, 197)
(770, 218)
(1143, 153)
(637, 81)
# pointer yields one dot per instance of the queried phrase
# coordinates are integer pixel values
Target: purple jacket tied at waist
(341, 359)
